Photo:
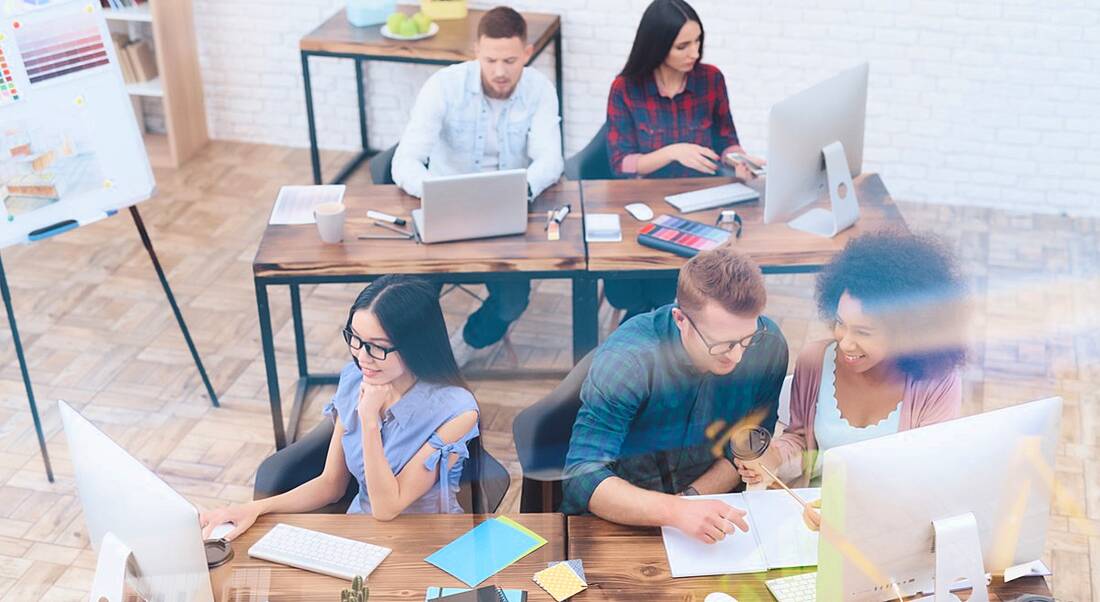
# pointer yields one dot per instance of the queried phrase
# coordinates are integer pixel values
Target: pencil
(784, 486)
(393, 229)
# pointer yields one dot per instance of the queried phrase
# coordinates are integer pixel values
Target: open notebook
(777, 537)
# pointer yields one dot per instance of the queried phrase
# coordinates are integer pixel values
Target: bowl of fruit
(400, 26)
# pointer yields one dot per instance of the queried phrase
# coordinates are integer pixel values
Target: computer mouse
(640, 211)
(221, 530)
(719, 597)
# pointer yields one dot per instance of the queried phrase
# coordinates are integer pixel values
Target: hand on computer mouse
(241, 515)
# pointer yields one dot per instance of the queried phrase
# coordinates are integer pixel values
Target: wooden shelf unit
(178, 84)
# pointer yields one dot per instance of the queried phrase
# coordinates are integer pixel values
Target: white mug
(330, 221)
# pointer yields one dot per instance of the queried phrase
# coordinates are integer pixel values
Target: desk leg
(362, 105)
(303, 366)
(558, 69)
(26, 374)
(586, 327)
(314, 151)
(268, 344)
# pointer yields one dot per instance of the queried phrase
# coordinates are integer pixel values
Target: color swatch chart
(8, 91)
(60, 47)
(681, 236)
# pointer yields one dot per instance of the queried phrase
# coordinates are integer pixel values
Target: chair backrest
(484, 481)
(381, 166)
(484, 478)
(541, 434)
(592, 162)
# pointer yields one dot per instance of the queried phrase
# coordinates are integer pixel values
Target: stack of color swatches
(681, 236)
(8, 93)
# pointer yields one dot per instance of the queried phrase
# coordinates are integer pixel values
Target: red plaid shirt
(641, 120)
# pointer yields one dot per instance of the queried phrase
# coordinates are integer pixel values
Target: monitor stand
(111, 570)
(845, 208)
(959, 555)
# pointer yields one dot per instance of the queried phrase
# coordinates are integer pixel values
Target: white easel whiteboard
(70, 147)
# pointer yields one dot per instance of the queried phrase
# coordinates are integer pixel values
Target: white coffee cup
(330, 221)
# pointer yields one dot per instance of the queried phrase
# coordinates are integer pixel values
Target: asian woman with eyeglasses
(402, 414)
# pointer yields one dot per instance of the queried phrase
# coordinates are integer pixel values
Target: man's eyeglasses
(727, 346)
(355, 343)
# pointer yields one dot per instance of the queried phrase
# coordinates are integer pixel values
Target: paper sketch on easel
(41, 164)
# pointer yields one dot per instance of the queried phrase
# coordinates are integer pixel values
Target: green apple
(408, 29)
(423, 23)
(394, 21)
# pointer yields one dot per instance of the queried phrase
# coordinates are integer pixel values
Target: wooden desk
(403, 575)
(777, 248)
(453, 44)
(295, 255)
(629, 563)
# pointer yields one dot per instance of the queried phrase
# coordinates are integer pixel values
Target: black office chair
(592, 162)
(542, 434)
(482, 487)
(381, 166)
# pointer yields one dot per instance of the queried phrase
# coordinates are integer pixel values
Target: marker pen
(385, 217)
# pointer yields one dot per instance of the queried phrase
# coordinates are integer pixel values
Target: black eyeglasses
(355, 343)
(727, 346)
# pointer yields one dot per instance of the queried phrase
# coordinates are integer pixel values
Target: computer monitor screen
(122, 497)
(879, 498)
(800, 127)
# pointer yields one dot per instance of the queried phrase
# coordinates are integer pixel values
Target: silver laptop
(469, 206)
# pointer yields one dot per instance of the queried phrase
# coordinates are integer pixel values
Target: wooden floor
(98, 334)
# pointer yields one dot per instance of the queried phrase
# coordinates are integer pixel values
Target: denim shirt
(448, 124)
(406, 427)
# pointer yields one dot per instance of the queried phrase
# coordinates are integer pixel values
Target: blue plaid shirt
(649, 417)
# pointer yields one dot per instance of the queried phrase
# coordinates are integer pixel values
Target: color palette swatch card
(486, 549)
(681, 236)
(561, 581)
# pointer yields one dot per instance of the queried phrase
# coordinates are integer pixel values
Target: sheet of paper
(485, 550)
(738, 553)
(294, 205)
(1027, 569)
(787, 541)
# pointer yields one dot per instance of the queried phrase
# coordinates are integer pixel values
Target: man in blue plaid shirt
(664, 394)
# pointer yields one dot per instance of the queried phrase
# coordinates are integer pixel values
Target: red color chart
(61, 47)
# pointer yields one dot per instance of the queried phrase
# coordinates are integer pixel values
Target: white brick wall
(984, 102)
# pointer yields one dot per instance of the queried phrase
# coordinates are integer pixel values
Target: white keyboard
(318, 552)
(709, 198)
(796, 588)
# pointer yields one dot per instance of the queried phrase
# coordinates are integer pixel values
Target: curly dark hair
(912, 283)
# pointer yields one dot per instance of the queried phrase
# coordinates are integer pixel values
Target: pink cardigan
(924, 402)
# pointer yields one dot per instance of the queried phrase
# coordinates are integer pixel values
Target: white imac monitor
(922, 508)
(134, 518)
(815, 143)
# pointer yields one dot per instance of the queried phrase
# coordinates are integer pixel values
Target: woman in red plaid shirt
(668, 116)
(668, 112)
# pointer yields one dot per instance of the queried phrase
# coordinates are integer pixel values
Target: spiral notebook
(777, 537)
(489, 593)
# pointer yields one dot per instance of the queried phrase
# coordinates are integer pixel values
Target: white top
(491, 162)
(446, 131)
(831, 429)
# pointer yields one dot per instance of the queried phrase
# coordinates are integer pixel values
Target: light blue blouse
(406, 427)
(831, 429)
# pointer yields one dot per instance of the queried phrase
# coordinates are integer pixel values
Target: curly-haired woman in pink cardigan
(895, 303)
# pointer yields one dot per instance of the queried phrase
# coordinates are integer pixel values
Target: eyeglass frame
(350, 335)
(752, 338)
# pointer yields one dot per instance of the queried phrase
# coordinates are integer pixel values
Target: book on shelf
(121, 4)
(144, 64)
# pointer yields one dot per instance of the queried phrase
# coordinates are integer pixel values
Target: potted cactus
(358, 592)
(444, 10)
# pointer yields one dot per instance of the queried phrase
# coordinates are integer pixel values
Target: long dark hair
(408, 310)
(661, 23)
